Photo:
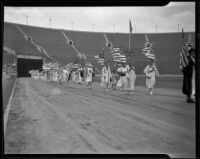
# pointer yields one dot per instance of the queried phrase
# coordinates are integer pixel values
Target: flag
(118, 55)
(100, 58)
(184, 58)
(148, 50)
(130, 27)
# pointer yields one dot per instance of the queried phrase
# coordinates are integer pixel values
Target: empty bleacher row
(167, 45)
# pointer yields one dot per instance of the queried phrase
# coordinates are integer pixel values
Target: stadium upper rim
(94, 31)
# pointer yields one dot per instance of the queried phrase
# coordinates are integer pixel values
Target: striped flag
(148, 50)
(100, 58)
(184, 58)
(118, 55)
(184, 55)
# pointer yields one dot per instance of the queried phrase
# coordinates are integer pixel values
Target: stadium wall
(167, 45)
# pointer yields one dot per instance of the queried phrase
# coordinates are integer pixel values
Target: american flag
(184, 55)
(100, 58)
(148, 51)
(118, 55)
(184, 58)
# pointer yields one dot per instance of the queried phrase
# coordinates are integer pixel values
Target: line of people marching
(125, 77)
(122, 78)
(64, 76)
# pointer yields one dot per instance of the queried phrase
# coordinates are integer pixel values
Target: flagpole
(130, 30)
(129, 41)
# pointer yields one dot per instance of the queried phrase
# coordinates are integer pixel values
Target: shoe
(151, 93)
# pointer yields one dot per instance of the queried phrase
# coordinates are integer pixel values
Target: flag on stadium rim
(118, 55)
(100, 58)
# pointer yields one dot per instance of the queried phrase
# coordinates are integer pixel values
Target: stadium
(45, 117)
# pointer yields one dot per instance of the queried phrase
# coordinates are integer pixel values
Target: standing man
(187, 66)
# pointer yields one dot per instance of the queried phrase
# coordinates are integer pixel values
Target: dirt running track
(50, 118)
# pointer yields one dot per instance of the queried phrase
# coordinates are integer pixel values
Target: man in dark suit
(187, 65)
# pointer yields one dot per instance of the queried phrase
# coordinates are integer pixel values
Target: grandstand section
(167, 45)
(53, 42)
(16, 41)
(90, 44)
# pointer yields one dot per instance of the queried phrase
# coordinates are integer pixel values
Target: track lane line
(6, 114)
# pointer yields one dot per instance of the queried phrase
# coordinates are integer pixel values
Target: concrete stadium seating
(53, 42)
(90, 44)
(167, 45)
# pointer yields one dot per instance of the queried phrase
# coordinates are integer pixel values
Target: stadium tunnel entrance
(27, 63)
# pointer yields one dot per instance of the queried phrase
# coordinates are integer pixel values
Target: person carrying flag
(106, 76)
(89, 76)
(122, 71)
(151, 71)
(187, 66)
(131, 79)
(187, 62)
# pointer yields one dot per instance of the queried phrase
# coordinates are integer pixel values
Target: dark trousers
(187, 80)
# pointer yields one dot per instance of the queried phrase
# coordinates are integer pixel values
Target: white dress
(122, 79)
(131, 80)
(106, 75)
(79, 76)
(89, 75)
(150, 76)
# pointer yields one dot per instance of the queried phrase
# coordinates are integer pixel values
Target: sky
(170, 18)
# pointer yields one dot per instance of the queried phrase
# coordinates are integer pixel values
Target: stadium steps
(53, 42)
(14, 40)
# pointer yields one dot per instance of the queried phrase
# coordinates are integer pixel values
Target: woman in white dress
(79, 76)
(122, 71)
(89, 77)
(106, 76)
(131, 80)
(150, 71)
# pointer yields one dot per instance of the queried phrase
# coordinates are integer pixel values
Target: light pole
(135, 28)
(178, 28)
(26, 19)
(156, 28)
(93, 27)
(113, 27)
(49, 22)
(72, 25)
